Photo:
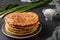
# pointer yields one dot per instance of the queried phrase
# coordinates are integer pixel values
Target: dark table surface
(47, 26)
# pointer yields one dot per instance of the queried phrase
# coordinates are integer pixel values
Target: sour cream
(49, 13)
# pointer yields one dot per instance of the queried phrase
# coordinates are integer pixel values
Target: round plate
(21, 37)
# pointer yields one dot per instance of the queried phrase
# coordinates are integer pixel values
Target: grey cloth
(52, 3)
(55, 35)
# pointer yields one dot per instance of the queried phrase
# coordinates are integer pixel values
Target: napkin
(55, 35)
(52, 3)
(57, 17)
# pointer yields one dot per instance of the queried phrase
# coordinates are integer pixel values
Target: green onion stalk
(26, 7)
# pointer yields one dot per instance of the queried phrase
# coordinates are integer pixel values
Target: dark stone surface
(47, 26)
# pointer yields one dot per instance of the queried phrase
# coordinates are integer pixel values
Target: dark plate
(21, 37)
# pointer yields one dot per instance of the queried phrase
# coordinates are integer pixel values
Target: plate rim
(18, 37)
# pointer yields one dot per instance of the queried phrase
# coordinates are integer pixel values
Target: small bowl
(21, 37)
(29, 1)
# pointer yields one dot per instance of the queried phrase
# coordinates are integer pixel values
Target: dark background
(47, 26)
